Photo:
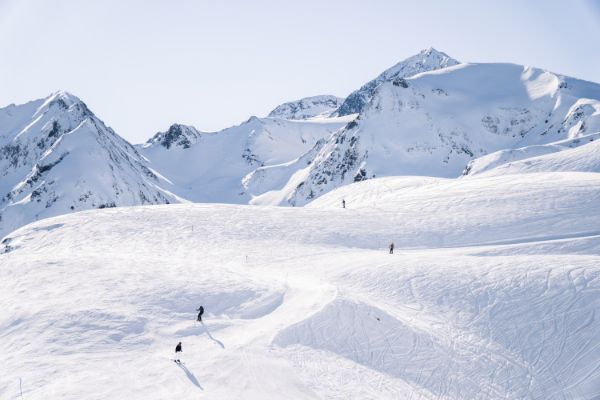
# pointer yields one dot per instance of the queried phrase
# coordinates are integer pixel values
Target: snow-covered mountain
(427, 60)
(219, 166)
(308, 107)
(435, 123)
(57, 157)
(427, 116)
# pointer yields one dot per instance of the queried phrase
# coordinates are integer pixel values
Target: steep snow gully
(492, 293)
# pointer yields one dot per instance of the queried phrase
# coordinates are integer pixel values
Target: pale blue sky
(143, 64)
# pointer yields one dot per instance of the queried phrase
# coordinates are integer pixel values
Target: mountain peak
(177, 135)
(428, 59)
(431, 50)
(63, 96)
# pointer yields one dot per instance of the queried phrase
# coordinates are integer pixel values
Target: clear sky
(141, 65)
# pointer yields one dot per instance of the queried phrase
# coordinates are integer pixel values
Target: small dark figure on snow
(392, 248)
(200, 312)
(343, 203)
(177, 351)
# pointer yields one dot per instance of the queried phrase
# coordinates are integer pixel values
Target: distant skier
(200, 312)
(392, 248)
(343, 203)
(177, 351)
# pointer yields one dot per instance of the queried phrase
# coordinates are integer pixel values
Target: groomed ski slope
(492, 293)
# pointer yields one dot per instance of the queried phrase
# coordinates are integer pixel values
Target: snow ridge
(308, 107)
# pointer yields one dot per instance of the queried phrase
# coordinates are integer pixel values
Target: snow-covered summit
(57, 157)
(308, 107)
(426, 60)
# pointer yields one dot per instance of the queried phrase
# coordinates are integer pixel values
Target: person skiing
(392, 248)
(343, 203)
(178, 350)
(200, 312)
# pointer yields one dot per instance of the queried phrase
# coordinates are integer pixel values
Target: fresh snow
(492, 293)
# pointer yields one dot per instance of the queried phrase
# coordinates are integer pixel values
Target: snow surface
(492, 293)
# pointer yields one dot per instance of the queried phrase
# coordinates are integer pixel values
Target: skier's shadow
(190, 376)
(211, 336)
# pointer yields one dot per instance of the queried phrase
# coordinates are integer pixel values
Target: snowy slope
(427, 60)
(213, 166)
(56, 157)
(492, 292)
(306, 108)
(579, 154)
(436, 122)
(584, 158)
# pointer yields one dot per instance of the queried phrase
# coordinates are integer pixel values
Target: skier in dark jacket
(392, 248)
(200, 312)
(343, 203)
(178, 350)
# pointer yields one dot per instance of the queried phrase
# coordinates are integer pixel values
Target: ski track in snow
(492, 293)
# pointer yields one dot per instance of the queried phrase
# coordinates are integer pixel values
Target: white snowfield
(491, 293)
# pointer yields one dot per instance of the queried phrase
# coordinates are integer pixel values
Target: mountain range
(429, 115)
